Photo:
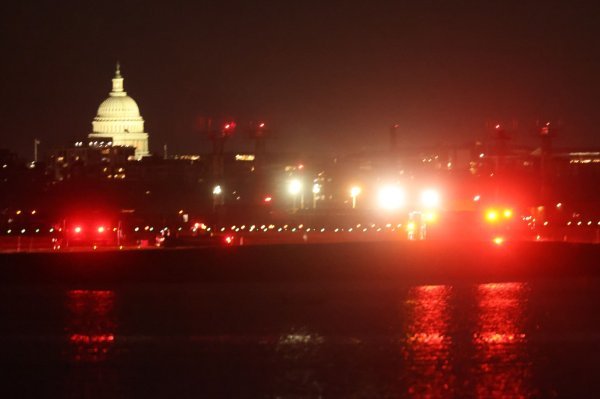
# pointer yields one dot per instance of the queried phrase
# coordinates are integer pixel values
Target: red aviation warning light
(229, 126)
(545, 130)
(258, 130)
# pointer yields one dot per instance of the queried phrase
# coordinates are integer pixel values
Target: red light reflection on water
(91, 324)
(504, 368)
(428, 342)
(91, 339)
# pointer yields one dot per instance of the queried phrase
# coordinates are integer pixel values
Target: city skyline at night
(328, 78)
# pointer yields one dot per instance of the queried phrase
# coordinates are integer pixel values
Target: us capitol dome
(118, 121)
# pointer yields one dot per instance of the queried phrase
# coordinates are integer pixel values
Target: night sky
(329, 78)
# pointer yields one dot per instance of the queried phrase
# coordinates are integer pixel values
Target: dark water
(285, 340)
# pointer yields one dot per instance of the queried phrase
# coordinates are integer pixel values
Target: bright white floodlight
(294, 187)
(430, 198)
(390, 198)
(217, 190)
(355, 191)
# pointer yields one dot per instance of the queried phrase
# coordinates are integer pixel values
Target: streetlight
(355, 192)
(36, 142)
(295, 188)
(316, 190)
(217, 198)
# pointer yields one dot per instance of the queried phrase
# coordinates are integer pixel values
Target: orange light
(77, 229)
(430, 217)
(410, 226)
(101, 229)
(491, 215)
(498, 240)
(507, 213)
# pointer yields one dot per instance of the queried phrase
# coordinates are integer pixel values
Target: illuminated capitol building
(118, 121)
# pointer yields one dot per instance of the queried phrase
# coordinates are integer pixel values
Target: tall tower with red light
(501, 137)
(546, 133)
(218, 137)
(259, 132)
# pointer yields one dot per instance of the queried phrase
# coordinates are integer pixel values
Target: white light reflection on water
(298, 353)
(427, 350)
(503, 364)
(298, 344)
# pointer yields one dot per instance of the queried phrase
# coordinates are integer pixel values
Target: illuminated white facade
(119, 122)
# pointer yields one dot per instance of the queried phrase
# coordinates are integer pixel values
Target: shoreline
(424, 261)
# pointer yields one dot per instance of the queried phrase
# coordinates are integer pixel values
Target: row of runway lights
(253, 228)
(300, 228)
